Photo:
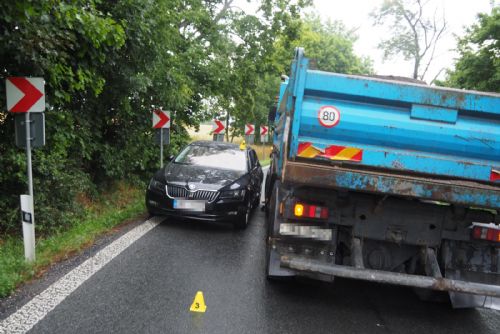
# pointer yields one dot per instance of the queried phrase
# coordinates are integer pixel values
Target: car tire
(256, 201)
(243, 219)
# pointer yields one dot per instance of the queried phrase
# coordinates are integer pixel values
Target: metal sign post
(161, 120)
(29, 231)
(162, 137)
(218, 130)
(161, 148)
(250, 139)
(249, 133)
(26, 95)
(263, 138)
(28, 221)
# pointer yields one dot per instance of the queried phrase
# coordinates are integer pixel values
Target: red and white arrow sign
(218, 127)
(161, 119)
(249, 129)
(25, 94)
(263, 130)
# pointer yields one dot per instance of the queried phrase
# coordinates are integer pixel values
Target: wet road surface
(150, 286)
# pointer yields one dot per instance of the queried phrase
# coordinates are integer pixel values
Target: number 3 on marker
(328, 116)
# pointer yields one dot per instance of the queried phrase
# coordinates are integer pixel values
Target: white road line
(37, 308)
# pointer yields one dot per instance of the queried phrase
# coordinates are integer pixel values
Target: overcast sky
(355, 14)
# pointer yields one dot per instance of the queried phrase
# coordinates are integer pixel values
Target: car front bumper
(218, 211)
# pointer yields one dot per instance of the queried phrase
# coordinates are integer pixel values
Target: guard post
(26, 96)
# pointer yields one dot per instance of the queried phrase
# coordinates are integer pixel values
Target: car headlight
(156, 186)
(233, 194)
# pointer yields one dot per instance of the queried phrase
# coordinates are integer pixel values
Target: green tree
(328, 44)
(245, 61)
(107, 64)
(478, 64)
(256, 78)
(415, 34)
(65, 42)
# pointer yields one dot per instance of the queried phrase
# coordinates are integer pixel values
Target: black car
(211, 181)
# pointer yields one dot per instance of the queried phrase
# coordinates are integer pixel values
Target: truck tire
(270, 210)
(272, 270)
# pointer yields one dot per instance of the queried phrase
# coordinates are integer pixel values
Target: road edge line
(37, 308)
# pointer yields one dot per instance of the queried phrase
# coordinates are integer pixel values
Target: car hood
(201, 177)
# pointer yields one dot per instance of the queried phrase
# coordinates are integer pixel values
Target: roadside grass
(263, 151)
(101, 216)
(265, 163)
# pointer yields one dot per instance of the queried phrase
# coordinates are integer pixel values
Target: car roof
(216, 144)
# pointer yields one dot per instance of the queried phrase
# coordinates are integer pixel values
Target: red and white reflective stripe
(495, 175)
(332, 152)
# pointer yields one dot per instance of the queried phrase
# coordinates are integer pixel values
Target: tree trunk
(415, 67)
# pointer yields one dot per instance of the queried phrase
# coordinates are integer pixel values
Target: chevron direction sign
(161, 119)
(25, 94)
(218, 127)
(249, 129)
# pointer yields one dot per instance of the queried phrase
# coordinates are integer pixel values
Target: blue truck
(387, 181)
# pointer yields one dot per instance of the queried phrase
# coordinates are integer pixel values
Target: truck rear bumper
(302, 265)
(466, 193)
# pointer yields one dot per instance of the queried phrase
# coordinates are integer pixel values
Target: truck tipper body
(388, 181)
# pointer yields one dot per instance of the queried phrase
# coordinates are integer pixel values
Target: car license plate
(189, 205)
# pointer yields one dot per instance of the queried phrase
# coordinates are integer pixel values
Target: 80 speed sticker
(328, 116)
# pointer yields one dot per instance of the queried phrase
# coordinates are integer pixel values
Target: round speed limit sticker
(328, 116)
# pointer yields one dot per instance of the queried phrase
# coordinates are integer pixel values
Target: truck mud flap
(302, 265)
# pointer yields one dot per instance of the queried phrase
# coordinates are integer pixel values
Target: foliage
(415, 34)
(478, 65)
(65, 42)
(329, 45)
(107, 64)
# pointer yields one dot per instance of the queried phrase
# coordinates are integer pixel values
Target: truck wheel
(273, 271)
(269, 227)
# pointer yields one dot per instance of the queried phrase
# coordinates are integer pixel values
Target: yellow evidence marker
(198, 303)
(243, 145)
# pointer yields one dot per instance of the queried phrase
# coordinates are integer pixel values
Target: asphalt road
(150, 286)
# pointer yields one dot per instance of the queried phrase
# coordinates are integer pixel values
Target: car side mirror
(171, 157)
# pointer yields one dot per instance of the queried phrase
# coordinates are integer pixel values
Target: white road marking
(36, 309)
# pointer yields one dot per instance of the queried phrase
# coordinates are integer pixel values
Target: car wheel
(256, 201)
(243, 219)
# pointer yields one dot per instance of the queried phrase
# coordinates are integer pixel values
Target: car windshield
(214, 157)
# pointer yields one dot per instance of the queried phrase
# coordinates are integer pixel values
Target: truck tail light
(310, 211)
(486, 233)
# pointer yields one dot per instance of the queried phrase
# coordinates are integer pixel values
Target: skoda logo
(191, 186)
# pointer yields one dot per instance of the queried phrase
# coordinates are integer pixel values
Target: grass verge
(101, 216)
(265, 163)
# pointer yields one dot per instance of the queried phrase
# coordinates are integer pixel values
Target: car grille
(182, 192)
